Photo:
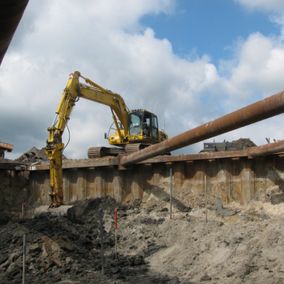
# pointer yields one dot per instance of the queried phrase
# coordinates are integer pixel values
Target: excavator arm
(94, 92)
(72, 92)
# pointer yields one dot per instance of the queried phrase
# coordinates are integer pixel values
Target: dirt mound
(234, 245)
(69, 248)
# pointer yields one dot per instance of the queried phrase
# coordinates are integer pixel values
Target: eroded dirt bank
(238, 245)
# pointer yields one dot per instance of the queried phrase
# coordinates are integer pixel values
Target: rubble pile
(33, 155)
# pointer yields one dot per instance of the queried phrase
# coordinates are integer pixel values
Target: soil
(213, 245)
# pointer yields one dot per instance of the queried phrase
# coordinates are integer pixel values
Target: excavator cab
(143, 127)
(142, 131)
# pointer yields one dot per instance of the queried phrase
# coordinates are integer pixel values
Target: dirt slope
(240, 245)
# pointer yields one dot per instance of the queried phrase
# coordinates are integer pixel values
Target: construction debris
(235, 145)
(33, 155)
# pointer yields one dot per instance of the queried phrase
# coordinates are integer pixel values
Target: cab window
(135, 124)
(155, 131)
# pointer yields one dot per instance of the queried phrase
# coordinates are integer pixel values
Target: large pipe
(267, 149)
(260, 110)
(11, 12)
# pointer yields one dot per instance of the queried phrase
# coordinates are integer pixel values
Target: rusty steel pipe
(11, 12)
(267, 149)
(260, 110)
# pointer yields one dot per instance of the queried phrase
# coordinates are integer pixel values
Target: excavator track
(98, 152)
(130, 148)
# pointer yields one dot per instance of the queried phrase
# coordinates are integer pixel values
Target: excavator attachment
(54, 146)
(56, 194)
(54, 153)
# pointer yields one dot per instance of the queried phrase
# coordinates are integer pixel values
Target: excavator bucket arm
(54, 147)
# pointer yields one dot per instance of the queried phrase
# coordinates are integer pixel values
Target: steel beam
(260, 110)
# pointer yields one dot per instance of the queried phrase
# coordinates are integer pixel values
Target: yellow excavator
(134, 129)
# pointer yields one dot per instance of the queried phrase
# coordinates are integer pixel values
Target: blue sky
(212, 27)
(187, 61)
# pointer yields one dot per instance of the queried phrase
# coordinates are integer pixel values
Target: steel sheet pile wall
(14, 190)
(239, 180)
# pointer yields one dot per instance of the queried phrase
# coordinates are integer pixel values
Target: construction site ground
(214, 245)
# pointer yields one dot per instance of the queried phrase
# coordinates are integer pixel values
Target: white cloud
(106, 41)
(107, 44)
(259, 67)
(272, 5)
